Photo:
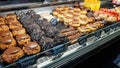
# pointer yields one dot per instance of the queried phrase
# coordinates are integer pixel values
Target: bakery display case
(53, 34)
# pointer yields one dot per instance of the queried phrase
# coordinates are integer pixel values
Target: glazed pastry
(6, 40)
(92, 26)
(12, 54)
(83, 12)
(74, 23)
(5, 33)
(84, 29)
(1, 20)
(15, 25)
(31, 48)
(10, 20)
(18, 30)
(22, 39)
(83, 22)
(67, 30)
(71, 33)
(99, 24)
(66, 8)
(74, 36)
(3, 27)
(12, 15)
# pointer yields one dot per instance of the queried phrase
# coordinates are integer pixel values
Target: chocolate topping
(21, 37)
(31, 45)
(4, 33)
(12, 50)
(6, 40)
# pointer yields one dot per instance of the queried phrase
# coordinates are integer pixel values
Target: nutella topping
(6, 40)
(21, 37)
(12, 50)
(4, 33)
(31, 45)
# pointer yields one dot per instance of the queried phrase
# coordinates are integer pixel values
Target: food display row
(24, 33)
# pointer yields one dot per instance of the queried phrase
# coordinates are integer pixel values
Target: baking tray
(28, 60)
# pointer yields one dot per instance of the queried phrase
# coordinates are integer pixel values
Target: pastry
(9, 20)
(66, 8)
(70, 33)
(84, 29)
(3, 27)
(67, 30)
(99, 24)
(6, 40)
(92, 26)
(12, 54)
(74, 36)
(22, 39)
(15, 25)
(1, 20)
(18, 30)
(12, 15)
(31, 48)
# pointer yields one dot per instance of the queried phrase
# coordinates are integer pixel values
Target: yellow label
(93, 4)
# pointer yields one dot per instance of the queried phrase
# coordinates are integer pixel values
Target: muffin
(18, 30)
(12, 54)
(31, 48)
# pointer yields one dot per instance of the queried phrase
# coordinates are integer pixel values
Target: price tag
(54, 21)
(98, 34)
(82, 41)
(103, 34)
(91, 39)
